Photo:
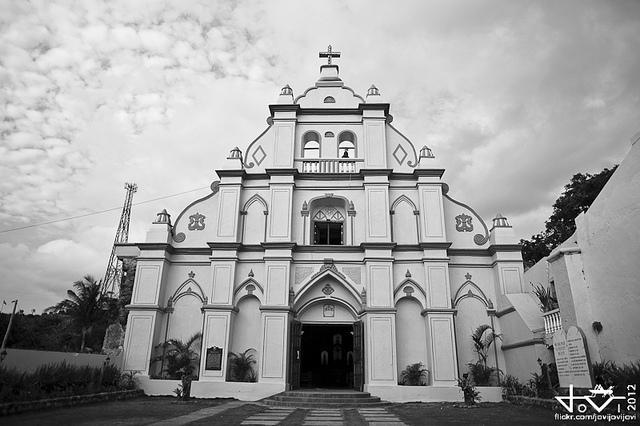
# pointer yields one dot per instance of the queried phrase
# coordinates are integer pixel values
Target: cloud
(514, 98)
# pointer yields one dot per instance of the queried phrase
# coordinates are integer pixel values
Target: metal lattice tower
(113, 276)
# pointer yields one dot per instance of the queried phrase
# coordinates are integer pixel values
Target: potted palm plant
(241, 366)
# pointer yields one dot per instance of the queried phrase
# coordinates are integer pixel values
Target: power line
(100, 212)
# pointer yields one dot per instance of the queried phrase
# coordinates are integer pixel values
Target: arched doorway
(326, 346)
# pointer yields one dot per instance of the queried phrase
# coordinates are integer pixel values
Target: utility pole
(113, 276)
(3, 350)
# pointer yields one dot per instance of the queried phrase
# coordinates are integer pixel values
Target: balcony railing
(329, 165)
(552, 321)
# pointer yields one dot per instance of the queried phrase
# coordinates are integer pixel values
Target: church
(330, 247)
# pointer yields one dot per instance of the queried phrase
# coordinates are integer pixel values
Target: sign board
(214, 359)
(572, 358)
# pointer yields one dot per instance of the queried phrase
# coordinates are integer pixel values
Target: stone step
(324, 399)
(302, 400)
(324, 404)
(327, 395)
(315, 398)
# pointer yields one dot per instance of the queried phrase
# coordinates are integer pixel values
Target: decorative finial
(251, 273)
(425, 152)
(408, 274)
(163, 217)
(373, 91)
(329, 54)
(192, 274)
(286, 91)
(351, 206)
(467, 276)
(500, 222)
(305, 206)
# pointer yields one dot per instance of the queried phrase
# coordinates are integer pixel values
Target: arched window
(328, 226)
(346, 145)
(329, 100)
(311, 145)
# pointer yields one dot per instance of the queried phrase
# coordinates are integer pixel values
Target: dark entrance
(326, 356)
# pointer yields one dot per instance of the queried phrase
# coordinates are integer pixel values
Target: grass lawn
(137, 411)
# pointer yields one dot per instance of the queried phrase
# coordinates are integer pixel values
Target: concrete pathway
(379, 416)
(270, 417)
(198, 415)
(324, 417)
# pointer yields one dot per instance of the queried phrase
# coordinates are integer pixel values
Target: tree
(482, 339)
(86, 306)
(577, 197)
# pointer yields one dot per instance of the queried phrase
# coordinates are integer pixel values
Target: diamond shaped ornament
(259, 155)
(400, 154)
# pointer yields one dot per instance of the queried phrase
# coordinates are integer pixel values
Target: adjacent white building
(595, 272)
(332, 246)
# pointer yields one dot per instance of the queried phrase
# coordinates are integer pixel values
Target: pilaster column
(280, 216)
(376, 209)
(432, 228)
(438, 316)
(143, 328)
(380, 316)
(219, 312)
(275, 313)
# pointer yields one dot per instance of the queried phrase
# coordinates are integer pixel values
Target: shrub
(471, 395)
(179, 359)
(607, 374)
(481, 373)
(511, 386)
(414, 375)
(58, 380)
(241, 366)
(546, 300)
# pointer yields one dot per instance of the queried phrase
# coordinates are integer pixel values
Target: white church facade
(332, 247)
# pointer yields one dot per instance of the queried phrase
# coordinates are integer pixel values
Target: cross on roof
(329, 54)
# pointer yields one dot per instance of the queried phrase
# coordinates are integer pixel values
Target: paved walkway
(272, 416)
(379, 416)
(320, 417)
(198, 415)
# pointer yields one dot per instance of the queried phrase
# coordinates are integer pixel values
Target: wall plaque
(572, 358)
(328, 311)
(214, 359)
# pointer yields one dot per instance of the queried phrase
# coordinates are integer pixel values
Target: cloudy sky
(514, 97)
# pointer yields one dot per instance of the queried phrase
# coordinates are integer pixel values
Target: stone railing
(552, 321)
(333, 165)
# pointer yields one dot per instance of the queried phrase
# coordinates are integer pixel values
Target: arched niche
(404, 221)
(471, 313)
(248, 287)
(247, 327)
(411, 289)
(186, 318)
(254, 222)
(411, 334)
